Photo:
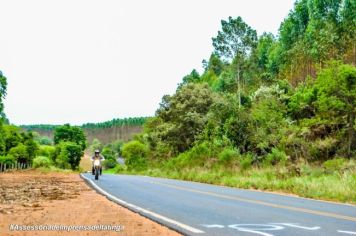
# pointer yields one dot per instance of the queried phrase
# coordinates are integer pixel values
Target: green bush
(95, 144)
(119, 168)
(46, 150)
(41, 161)
(117, 146)
(44, 140)
(8, 160)
(108, 152)
(196, 156)
(228, 154)
(246, 161)
(135, 154)
(109, 163)
(200, 151)
(19, 153)
(334, 164)
(276, 156)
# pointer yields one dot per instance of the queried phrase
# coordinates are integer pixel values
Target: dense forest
(290, 95)
(279, 103)
(107, 132)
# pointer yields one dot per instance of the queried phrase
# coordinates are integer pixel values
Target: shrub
(246, 161)
(46, 150)
(8, 160)
(119, 168)
(334, 164)
(96, 144)
(200, 151)
(228, 155)
(196, 156)
(31, 145)
(117, 146)
(108, 152)
(135, 154)
(41, 161)
(19, 153)
(276, 156)
(44, 140)
(109, 163)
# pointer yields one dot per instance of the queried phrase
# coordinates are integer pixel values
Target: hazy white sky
(83, 61)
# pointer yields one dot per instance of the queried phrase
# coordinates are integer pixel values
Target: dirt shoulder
(34, 198)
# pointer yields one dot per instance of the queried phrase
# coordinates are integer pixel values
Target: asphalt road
(193, 208)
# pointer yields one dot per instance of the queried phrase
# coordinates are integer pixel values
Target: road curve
(201, 209)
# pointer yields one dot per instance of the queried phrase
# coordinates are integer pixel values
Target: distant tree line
(132, 121)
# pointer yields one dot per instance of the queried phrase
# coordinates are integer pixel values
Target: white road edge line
(147, 212)
(347, 232)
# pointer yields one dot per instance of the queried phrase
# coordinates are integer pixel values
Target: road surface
(201, 209)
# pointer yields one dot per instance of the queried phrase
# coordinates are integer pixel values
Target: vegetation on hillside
(106, 132)
(268, 112)
(131, 121)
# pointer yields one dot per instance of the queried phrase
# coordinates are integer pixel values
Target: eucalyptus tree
(234, 42)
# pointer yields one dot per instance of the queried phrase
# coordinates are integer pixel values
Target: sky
(79, 61)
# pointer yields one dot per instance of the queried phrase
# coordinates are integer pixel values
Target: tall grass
(315, 182)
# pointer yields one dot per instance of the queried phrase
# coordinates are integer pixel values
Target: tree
(237, 129)
(193, 77)
(68, 155)
(214, 64)
(293, 27)
(134, 121)
(235, 42)
(3, 86)
(236, 39)
(348, 28)
(301, 104)
(336, 98)
(31, 145)
(20, 153)
(2, 140)
(265, 43)
(268, 123)
(135, 154)
(12, 137)
(70, 133)
(183, 115)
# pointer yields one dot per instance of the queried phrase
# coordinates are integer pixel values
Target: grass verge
(308, 181)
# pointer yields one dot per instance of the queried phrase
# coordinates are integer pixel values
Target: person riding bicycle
(96, 156)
